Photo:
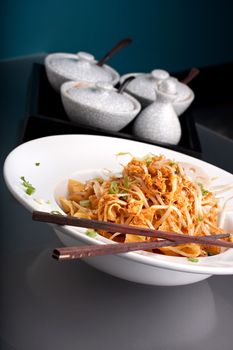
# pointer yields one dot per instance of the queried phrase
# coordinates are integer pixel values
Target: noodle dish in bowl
(131, 183)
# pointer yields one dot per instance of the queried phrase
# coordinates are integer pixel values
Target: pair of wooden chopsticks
(167, 238)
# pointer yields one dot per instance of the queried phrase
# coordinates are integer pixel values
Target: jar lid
(168, 87)
(144, 84)
(160, 74)
(79, 67)
(183, 91)
(102, 96)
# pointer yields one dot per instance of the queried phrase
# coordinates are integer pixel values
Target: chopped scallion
(29, 188)
(85, 203)
(148, 161)
(203, 190)
(126, 182)
(193, 259)
(56, 212)
(114, 189)
(172, 164)
(210, 254)
(91, 233)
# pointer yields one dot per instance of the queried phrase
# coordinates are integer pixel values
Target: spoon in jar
(191, 75)
(114, 50)
(125, 83)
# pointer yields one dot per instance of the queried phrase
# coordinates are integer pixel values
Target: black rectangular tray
(46, 116)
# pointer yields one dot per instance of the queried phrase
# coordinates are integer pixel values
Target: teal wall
(173, 35)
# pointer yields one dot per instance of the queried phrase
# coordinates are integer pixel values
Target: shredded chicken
(152, 192)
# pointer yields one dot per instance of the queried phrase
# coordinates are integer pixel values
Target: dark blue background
(173, 35)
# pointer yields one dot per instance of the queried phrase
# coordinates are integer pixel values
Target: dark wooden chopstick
(112, 227)
(167, 238)
(78, 252)
(84, 251)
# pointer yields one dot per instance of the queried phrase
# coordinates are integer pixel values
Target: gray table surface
(46, 305)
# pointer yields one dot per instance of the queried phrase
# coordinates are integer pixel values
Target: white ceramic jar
(62, 67)
(143, 86)
(159, 122)
(98, 105)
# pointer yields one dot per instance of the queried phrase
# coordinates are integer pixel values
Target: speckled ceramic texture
(99, 115)
(159, 121)
(57, 78)
(145, 91)
(142, 96)
(102, 96)
(143, 86)
(185, 97)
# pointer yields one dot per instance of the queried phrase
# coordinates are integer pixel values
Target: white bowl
(98, 105)
(65, 156)
(145, 88)
(88, 71)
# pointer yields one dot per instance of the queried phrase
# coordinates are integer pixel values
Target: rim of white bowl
(216, 265)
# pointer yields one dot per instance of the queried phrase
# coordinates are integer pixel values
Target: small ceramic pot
(159, 122)
(143, 86)
(98, 105)
(63, 67)
(184, 97)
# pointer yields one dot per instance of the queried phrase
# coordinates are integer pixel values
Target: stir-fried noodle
(153, 192)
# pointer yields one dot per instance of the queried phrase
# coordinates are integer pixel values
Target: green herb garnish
(210, 254)
(37, 164)
(29, 188)
(56, 212)
(91, 233)
(85, 203)
(114, 189)
(148, 161)
(203, 190)
(172, 164)
(126, 182)
(123, 154)
(193, 259)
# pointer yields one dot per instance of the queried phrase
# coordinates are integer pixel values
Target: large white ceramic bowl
(81, 156)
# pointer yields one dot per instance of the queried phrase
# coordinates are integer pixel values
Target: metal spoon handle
(114, 50)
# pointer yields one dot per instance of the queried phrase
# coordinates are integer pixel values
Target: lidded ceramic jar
(143, 86)
(159, 122)
(184, 97)
(98, 105)
(62, 67)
